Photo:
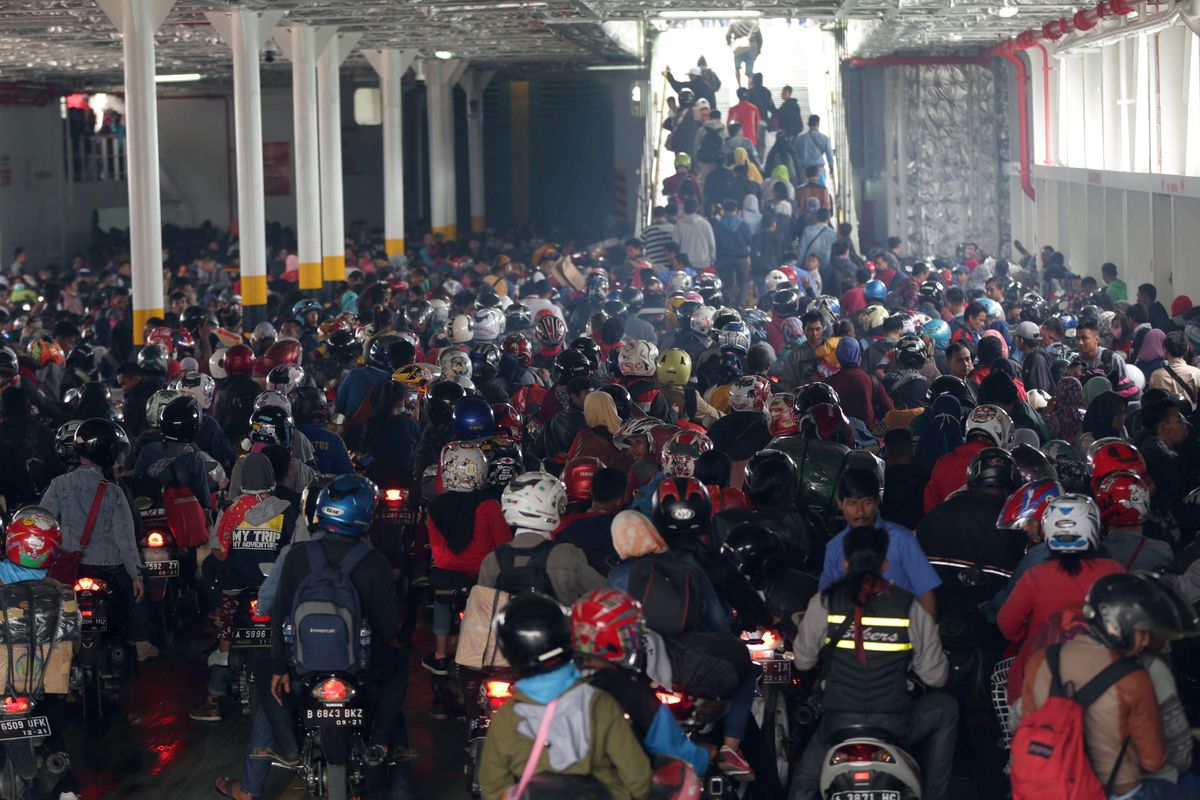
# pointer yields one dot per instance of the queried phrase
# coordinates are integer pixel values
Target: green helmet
(683, 160)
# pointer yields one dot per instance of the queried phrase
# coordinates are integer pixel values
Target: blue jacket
(331, 455)
(354, 387)
(733, 237)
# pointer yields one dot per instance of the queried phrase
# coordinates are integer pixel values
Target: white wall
(31, 174)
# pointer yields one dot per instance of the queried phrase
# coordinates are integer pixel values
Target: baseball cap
(1028, 331)
(702, 103)
(695, 72)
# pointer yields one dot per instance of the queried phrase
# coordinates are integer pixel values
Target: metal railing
(95, 158)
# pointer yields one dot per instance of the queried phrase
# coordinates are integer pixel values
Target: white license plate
(95, 624)
(336, 717)
(776, 671)
(870, 794)
(24, 728)
(251, 637)
(162, 569)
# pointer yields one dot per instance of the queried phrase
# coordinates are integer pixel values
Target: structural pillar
(137, 20)
(440, 77)
(329, 126)
(391, 65)
(243, 30)
(473, 82)
(301, 44)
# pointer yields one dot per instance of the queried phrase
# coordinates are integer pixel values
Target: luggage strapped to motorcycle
(36, 655)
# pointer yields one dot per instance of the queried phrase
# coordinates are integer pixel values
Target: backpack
(326, 613)
(665, 586)
(530, 576)
(1049, 752)
(712, 146)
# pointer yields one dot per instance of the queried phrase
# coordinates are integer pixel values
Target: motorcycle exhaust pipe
(375, 755)
(57, 763)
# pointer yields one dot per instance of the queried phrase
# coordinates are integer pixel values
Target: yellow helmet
(674, 367)
(415, 376)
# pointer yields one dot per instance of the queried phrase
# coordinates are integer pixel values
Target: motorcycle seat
(864, 732)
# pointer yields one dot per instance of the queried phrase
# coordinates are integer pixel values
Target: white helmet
(534, 501)
(1038, 399)
(216, 364)
(158, 401)
(262, 332)
(774, 278)
(285, 378)
(735, 335)
(873, 317)
(365, 333)
(440, 315)
(489, 324)
(464, 467)
(461, 329)
(272, 398)
(198, 385)
(749, 393)
(1135, 374)
(702, 319)
(634, 429)
(1071, 523)
(454, 363)
(993, 421)
(639, 358)
(679, 281)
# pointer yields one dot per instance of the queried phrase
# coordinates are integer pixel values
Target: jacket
(590, 734)
(69, 498)
(591, 532)
(177, 465)
(950, 472)
(1037, 372)
(862, 395)
(813, 150)
(235, 403)
(461, 511)
(598, 444)
(732, 237)
(1161, 379)
(789, 118)
(695, 238)
(964, 527)
(561, 430)
(817, 238)
(256, 540)
(567, 567)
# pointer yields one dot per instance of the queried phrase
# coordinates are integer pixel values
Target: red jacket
(853, 300)
(862, 395)
(950, 472)
(490, 531)
(775, 333)
(748, 116)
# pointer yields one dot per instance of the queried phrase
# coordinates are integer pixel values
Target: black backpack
(528, 576)
(665, 585)
(712, 147)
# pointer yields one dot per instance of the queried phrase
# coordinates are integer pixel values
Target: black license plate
(478, 727)
(24, 728)
(251, 637)
(162, 569)
(867, 794)
(776, 671)
(95, 624)
(335, 717)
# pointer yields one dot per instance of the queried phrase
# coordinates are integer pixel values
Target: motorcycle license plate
(251, 637)
(24, 728)
(95, 624)
(868, 794)
(336, 717)
(776, 671)
(399, 517)
(162, 569)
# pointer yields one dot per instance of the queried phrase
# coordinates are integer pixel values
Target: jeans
(933, 717)
(1155, 789)
(735, 274)
(442, 617)
(256, 770)
(738, 716)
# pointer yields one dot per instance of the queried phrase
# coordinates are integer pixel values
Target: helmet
(284, 351)
(993, 468)
(750, 393)
(994, 309)
(785, 302)
(1123, 500)
(195, 316)
(1120, 604)
(674, 367)
(45, 351)
(549, 329)
(263, 331)
(376, 352)
(309, 404)
(534, 501)
(517, 345)
(517, 317)
(939, 332)
(681, 506)
(33, 537)
(609, 624)
(162, 335)
(634, 429)
(725, 316)
(443, 396)
(1071, 523)
(346, 505)
(509, 422)
(275, 399)
(473, 418)
(1032, 463)
(679, 281)
(637, 358)
(487, 300)
(285, 378)
(485, 361)
(157, 402)
(415, 376)
(464, 467)
(271, 425)
(154, 358)
(748, 547)
(730, 366)
(505, 460)
(873, 318)
(680, 453)
(1115, 455)
(770, 474)
(910, 352)
(828, 422)
(198, 385)
(633, 298)
(239, 360)
(1038, 398)
(489, 324)
(932, 291)
(829, 305)
(951, 385)
(570, 364)
(596, 285)
(1033, 309)
(441, 314)
(991, 421)
(702, 318)
(180, 419)
(1057, 448)
(417, 316)
(589, 348)
(343, 346)
(101, 441)
(461, 329)
(182, 343)
(874, 290)
(577, 476)
(533, 634)
(454, 362)
(615, 308)
(810, 394)
(735, 336)
(1027, 503)
(781, 413)
(774, 278)
(64, 442)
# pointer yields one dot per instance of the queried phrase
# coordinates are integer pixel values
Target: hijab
(1094, 388)
(1098, 419)
(634, 535)
(599, 411)
(780, 173)
(1153, 348)
(740, 157)
(944, 432)
(751, 214)
(1065, 421)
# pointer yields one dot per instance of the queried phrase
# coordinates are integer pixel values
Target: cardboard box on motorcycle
(53, 612)
(54, 659)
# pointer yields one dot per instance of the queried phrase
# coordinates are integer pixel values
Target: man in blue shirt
(906, 566)
(813, 149)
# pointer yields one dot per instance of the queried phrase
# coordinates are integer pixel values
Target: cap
(702, 103)
(1028, 331)
(695, 72)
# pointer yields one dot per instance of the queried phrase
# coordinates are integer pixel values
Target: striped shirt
(655, 239)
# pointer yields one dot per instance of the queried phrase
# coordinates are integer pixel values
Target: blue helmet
(303, 307)
(345, 506)
(473, 418)
(938, 331)
(994, 309)
(874, 290)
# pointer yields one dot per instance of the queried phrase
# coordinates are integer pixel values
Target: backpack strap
(354, 558)
(316, 555)
(1108, 677)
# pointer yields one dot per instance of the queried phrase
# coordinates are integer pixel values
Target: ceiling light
(444, 55)
(1007, 11)
(954, 37)
(715, 14)
(183, 77)
(612, 67)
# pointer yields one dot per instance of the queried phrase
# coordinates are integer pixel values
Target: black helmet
(534, 634)
(377, 350)
(951, 385)
(785, 302)
(570, 364)
(517, 318)
(622, 399)
(8, 359)
(1033, 463)
(771, 479)
(910, 352)
(102, 442)
(713, 296)
(615, 309)
(95, 392)
(309, 404)
(195, 316)
(271, 425)
(632, 298)
(1014, 292)
(153, 358)
(682, 507)
(749, 546)
(1033, 309)
(418, 315)
(588, 346)
(1089, 313)
(343, 346)
(485, 361)
(932, 291)
(180, 419)
(64, 442)
(487, 300)
(810, 394)
(443, 396)
(1117, 605)
(993, 468)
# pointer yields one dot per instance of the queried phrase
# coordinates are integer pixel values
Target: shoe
(145, 651)
(208, 711)
(438, 710)
(732, 763)
(438, 666)
(218, 659)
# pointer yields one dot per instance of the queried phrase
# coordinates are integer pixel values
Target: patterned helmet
(781, 410)
(464, 467)
(517, 345)
(735, 336)
(454, 363)
(416, 376)
(609, 624)
(1027, 503)
(549, 328)
(638, 358)
(578, 474)
(534, 501)
(1071, 523)
(1123, 499)
(749, 393)
(33, 537)
(680, 453)
(638, 428)
(993, 422)
(285, 378)
(198, 385)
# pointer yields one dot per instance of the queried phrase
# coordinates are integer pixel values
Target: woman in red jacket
(595, 440)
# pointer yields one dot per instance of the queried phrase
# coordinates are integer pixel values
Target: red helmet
(680, 453)
(182, 339)
(1115, 456)
(682, 506)
(164, 336)
(827, 421)
(239, 360)
(33, 537)
(286, 351)
(726, 498)
(578, 474)
(517, 345)
(509, 422)
(1123, 499)
(781, 409)
(549, 328)
(608, 624)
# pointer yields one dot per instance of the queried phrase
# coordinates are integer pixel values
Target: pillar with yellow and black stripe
(329, 124)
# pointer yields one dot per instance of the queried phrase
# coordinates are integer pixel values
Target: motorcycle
(161, 557)
(776, 694)
(697, 717)
(251, 637)
(489, 689)
(30, 769)
(104, 657)
(867, 764)
(334, 753)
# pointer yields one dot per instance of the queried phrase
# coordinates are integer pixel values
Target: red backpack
(1049, 753)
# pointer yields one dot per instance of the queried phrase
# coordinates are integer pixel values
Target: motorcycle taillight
(668, 698)
(333, 690)
(156, 539)
(256, 617)
(860, 752)
(89, 585)
(17, 705)
(496, 693)
(394, 498)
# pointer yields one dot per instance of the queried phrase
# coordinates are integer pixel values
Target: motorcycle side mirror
(973, 577)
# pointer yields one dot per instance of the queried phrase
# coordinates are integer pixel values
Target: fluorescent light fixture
(444, 55)
(183, 77)
(733, 13)
(612, 67)
(1007, 11)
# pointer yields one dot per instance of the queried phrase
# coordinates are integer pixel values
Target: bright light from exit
(444, 55)
(733, 13)
(183, 77)
(635, 94)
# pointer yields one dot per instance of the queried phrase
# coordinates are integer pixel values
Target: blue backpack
(326, 614)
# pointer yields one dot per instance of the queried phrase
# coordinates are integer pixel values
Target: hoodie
(733, 237)
(251, 532)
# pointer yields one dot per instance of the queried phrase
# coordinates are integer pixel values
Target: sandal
(226, 787)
